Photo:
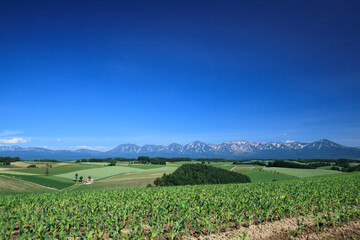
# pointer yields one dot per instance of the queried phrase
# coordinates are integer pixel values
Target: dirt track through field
(288, 229)
(347, 231)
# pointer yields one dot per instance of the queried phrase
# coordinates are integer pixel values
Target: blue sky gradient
(102, 73)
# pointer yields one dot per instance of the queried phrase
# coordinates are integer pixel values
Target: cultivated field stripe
(7, 172)
(105, 172)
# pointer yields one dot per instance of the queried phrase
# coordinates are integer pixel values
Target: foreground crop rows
(175, 212)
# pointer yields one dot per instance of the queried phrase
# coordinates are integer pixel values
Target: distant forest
(140, 160)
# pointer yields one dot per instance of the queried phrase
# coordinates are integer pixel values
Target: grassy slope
(262, 176)
(37, 175)
(13, 173)
(8, 166)
(48, 181)
(325, 167)
(226, 166)
(14, 185)
(253, 171)
(301, 173)
(147, 166)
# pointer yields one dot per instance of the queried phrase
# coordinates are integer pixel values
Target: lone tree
(76, 177)
(112, 162)
(47, 170)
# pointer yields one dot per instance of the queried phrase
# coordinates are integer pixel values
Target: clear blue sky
(102, 73)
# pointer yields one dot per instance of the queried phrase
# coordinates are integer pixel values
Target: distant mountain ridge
(228, 150)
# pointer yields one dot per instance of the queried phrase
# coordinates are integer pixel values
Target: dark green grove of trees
(112, 162)
(8, 160)
(344, 166)
(351, 169)
(192, 174)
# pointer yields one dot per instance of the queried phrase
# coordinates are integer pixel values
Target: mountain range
(228, 150)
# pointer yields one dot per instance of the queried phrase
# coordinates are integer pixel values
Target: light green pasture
(301, 173)
(264, 176)
(104, 172)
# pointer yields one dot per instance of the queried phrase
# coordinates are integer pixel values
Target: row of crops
(177, 212)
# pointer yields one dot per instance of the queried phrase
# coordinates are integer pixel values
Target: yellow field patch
(20, 164)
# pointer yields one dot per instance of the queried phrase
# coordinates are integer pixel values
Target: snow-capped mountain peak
(232, 150)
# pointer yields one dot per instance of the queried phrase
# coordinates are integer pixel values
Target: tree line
(337, 164)
(46, 160)
(287, 164)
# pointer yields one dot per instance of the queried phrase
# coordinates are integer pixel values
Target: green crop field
(301, 173)
(178, 212)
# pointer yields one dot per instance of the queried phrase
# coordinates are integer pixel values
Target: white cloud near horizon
(73, 148)
(96, 148)
(14, 140)
(10, 132)
(50, 148)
